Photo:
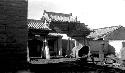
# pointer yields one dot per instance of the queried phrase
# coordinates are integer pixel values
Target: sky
(94, 13)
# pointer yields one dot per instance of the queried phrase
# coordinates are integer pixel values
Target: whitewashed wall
(117, 44)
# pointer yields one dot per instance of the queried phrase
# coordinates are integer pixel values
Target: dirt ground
(66, 65)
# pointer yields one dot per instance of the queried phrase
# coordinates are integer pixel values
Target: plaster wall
(117, 44)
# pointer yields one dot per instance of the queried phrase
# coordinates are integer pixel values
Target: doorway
(35, 48)
(52, 47)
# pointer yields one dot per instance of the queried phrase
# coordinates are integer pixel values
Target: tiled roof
(117, 35)
(102, 32)
(52, 16)
(37, 24)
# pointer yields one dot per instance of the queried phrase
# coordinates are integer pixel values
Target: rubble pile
(115, 62)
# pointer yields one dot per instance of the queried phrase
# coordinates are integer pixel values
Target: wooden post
(76, 47)
(28, 59)
(101, 54)
(60, 46)
(46, 49)
(75, 51)
(56, 47)
(68, 47)
(42, 50)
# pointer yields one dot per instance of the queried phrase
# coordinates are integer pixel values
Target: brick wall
(13, 33)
